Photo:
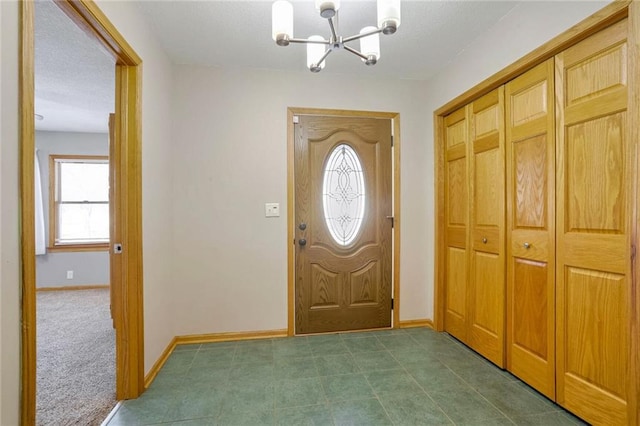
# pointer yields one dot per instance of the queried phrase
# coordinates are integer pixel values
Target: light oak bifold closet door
(530, 133)
(474, 197)
(457, 218)
(486, 294)
(539, 207)
(594, 195)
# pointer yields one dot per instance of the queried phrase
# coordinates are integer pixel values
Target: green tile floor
(392, 377)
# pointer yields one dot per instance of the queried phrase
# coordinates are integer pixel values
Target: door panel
(531, 166)
(486, 304)
(605, 293)
(457, 217)
(595, 185)
(594, 181)
(343, 271)
(531, 237)
(487, 194)
(530, 307)
(457, 284)
(486, 269)
(457, 185)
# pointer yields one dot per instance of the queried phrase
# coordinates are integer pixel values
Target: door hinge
(392, 304)
(633, 252)
(117, 248)
(296, 119)
(391, 141)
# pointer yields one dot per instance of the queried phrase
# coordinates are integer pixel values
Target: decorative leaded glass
(343, 195)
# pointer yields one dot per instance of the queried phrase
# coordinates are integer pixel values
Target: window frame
(55, 246)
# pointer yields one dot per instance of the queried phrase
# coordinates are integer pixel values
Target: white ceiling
(238, 34)
(75, 76)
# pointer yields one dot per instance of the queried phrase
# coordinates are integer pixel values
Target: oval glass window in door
(343, 194)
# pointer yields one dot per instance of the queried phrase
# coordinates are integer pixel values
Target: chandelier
(318, 48)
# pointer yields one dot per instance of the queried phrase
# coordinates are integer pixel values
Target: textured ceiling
(75, 76)
(238, 34)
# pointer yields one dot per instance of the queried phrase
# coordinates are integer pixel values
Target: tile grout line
(374, 391)
(377, 397)
(420, 386)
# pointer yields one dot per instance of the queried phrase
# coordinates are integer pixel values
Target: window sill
(78, 247)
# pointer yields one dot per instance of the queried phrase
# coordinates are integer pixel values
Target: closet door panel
(457, 218)
(487, 292)
(456, 291)
(531, 228)
(594, 187)
(530, 309)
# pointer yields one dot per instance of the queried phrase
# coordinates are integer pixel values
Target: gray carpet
(75, 358)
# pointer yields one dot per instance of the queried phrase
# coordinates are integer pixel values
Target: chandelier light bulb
(328, 8)
(388, 16)
(315, 52)
(370, 46)
(282, 22)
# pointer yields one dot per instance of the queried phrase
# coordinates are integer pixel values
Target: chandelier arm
(334, 36)
(355, 52)
(359, 36)
(326, 53)
(305, 41)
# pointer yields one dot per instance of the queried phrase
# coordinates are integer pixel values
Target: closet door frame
(610, 14)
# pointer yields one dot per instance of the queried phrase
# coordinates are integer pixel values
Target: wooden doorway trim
(128, 293)
(395, 117)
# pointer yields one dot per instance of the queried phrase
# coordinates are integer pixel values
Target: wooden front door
(531, 228)
(594, 222)
(343, 208)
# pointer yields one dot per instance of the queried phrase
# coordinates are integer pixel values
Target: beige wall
(1, 381)
(9, 243)
(230, 157)
(159, 288)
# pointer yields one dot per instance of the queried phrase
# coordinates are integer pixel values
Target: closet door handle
(484, 240)
(527, 246)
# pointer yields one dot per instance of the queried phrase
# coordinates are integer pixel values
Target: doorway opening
(75, 339)
(125, 162)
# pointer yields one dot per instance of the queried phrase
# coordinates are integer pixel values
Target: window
(343, 194)
(78, 202)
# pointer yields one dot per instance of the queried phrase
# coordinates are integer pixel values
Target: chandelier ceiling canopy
(318, 48)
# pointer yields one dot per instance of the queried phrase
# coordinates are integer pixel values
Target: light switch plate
(272, 209)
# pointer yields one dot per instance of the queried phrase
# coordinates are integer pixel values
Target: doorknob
(484, 240)
(527, 246)
(302, 242)
(302, 226)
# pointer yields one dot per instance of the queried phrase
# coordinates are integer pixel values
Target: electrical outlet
(69, 275)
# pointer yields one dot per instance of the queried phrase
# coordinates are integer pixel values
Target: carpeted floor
(75, 358)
